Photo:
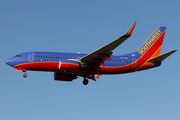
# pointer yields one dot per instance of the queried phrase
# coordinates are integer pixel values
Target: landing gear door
(30, 56)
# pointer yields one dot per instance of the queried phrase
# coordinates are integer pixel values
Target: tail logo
(148, 44)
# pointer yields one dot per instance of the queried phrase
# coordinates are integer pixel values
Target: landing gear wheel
(85, 81)
(25, 75)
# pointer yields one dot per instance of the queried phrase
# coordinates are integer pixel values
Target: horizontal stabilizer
(161, 57)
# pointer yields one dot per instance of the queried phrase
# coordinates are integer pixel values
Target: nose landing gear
(22, 70)
(25, 75)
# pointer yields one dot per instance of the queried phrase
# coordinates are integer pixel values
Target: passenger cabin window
(17, 56)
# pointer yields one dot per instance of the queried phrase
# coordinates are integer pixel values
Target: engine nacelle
(64, 76)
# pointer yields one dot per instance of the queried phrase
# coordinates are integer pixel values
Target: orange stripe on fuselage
(148, 64)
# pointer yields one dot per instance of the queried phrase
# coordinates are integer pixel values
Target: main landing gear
(25, 75)
(87, 75)
(85, 81)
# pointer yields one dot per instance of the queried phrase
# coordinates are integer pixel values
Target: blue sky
(84, 26)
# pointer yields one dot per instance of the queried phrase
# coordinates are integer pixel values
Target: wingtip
(174, 51)
(130, 31)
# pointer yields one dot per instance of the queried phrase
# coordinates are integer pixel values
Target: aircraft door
(59, 64)
(30, 56)
(134, 64)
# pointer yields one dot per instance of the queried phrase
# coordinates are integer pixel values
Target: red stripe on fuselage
(47, 66)
(39, 66)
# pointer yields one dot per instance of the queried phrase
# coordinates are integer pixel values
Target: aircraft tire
(85, 81)
(25, 75)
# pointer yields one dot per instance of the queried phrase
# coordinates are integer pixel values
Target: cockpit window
(17, 56)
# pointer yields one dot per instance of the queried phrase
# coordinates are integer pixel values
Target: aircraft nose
(9, 62)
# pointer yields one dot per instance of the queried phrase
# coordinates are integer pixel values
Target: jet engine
(64, 76)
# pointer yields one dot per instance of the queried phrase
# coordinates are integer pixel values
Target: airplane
(70, 66)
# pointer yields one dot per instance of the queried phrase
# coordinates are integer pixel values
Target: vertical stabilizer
(152, 46)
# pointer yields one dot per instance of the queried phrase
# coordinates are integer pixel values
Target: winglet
(130, 31)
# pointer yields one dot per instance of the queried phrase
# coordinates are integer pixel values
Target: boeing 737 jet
(68, 66)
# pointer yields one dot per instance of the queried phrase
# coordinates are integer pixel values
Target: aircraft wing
(101, 55)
